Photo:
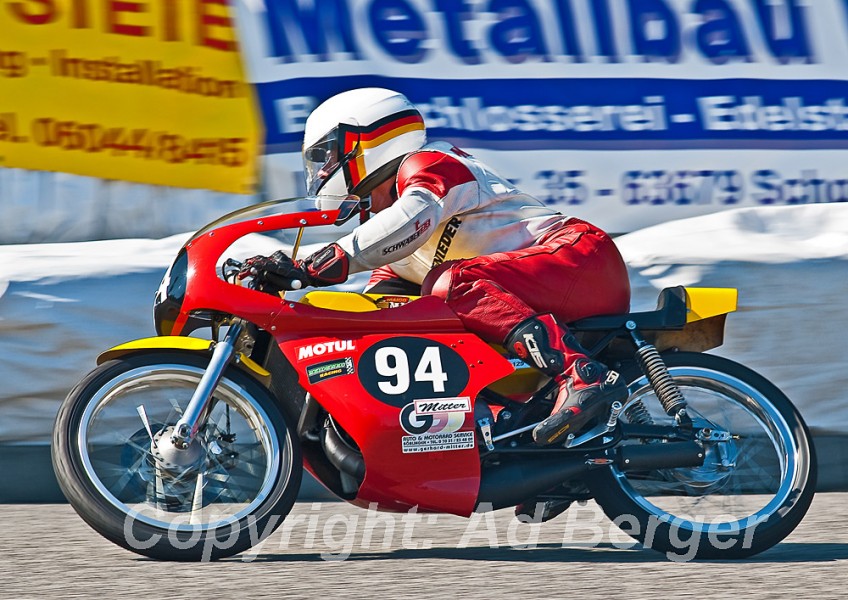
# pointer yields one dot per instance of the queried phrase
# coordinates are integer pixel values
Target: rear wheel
(758, 476)
(229, 489)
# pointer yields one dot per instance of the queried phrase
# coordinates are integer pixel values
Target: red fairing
(206, 291)
(401, 381)
(373, 384)
(436, 172)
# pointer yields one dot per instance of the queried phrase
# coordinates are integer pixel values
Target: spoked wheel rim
(228, 472)
(764, 454)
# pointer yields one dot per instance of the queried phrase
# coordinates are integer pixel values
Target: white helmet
(356, 140)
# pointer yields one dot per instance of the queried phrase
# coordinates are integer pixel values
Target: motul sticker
(437, 442)
(442, 405)
(323, 348)
(328, 370)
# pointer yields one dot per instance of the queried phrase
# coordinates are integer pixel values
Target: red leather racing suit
(496, 255)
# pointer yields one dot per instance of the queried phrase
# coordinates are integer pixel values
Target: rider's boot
(586, 387)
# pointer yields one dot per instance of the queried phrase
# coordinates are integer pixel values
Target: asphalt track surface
(48, 552)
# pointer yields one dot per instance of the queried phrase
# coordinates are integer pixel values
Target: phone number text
(142, 143)
(693, 187)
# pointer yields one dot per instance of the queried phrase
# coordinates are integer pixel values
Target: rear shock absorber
(637, 413)
(653, 366)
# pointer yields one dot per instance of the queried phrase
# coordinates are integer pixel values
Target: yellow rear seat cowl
(703, 303)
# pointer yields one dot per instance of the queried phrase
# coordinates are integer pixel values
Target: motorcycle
(190, 447)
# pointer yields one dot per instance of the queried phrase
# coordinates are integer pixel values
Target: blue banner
(623, 112)
(580, 113)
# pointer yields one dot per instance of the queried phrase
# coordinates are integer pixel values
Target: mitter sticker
(442, 405)
(437, 442)
(434, 425)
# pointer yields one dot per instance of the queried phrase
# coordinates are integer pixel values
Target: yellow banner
(151, 91)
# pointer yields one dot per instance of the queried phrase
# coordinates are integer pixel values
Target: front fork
(195, 413)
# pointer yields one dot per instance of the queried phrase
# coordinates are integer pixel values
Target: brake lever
(230, 270)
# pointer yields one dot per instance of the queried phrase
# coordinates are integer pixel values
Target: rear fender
(182, 344)
(706, 313)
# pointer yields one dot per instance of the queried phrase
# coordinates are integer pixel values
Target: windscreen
(347, 205)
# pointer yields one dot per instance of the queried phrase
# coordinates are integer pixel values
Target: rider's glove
(328, 266)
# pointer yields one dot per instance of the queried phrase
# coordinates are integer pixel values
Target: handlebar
(231, 269)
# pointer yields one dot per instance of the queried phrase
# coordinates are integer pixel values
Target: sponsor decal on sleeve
(329, 369)
(420, 229)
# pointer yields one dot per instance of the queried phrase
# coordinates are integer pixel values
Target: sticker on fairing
(437, 442)
(391, 301)
(327, 370)
(398, 370)
(517, 363)
(416, 423)
(434, 430)
(316, 350)
(433, 406)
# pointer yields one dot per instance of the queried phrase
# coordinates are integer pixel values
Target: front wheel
(758, 476)
(227, 490)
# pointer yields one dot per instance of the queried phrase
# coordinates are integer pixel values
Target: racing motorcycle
(192, 447)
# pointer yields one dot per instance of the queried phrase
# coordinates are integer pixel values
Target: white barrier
(790, 265)
(43, 207)
(62, 304)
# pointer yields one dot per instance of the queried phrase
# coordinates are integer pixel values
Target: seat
(670, 315)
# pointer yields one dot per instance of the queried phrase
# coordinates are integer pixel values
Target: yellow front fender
(176, 342)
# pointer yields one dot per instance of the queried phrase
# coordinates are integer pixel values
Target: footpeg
(486, 431)
(615, 410)
(598, 430)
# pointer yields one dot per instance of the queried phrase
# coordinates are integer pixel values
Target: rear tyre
(231, 488)
(753, 489)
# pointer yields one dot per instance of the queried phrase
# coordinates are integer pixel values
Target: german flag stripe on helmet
(378, 133)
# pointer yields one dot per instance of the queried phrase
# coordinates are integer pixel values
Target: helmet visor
(323, 159)
(348, 206)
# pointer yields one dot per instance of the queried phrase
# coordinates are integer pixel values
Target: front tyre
(758, 476)
(228, 490)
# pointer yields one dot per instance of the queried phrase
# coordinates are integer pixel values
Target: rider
(511, 268)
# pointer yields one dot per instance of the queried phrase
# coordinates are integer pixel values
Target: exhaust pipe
(343, 458)
(514, 482)
(648, 457)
